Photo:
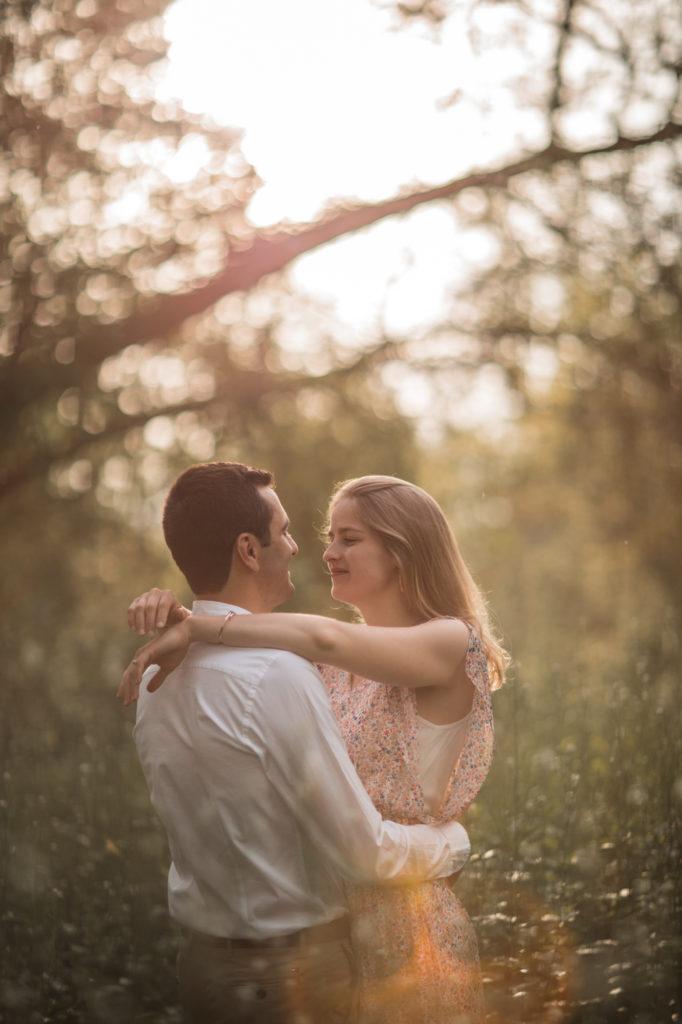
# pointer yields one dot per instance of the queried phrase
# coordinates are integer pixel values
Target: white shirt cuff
(458, 841)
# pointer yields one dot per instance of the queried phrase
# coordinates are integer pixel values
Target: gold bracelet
(230, 615)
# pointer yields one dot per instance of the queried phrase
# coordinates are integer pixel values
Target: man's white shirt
(264, 811)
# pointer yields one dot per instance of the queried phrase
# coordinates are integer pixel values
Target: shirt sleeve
(305, 759)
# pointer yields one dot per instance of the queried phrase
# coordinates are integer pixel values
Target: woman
(411, 690)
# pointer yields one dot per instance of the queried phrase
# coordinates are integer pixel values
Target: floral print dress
(415, 945)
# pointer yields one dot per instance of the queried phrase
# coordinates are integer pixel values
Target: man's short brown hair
(207, 508)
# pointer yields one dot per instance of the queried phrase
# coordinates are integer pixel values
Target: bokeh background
(440, 240)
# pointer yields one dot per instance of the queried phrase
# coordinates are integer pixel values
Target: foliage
(581, 816)
(574, 884)
(119, 259)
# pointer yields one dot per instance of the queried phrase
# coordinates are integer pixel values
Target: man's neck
(243, 597)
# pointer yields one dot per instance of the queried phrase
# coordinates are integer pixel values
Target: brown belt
(328, 932)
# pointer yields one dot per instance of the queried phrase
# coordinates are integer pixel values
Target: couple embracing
(310, 773)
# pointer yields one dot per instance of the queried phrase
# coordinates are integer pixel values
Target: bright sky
(334, 103)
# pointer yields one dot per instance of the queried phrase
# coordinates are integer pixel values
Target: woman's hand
(155, 609)
(167, 650)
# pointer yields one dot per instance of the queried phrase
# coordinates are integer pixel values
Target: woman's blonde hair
(433, 575)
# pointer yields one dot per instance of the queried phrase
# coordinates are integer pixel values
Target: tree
(115, 266)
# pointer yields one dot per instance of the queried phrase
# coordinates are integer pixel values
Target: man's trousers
(304, 984)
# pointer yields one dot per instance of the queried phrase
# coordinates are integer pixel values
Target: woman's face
(361, 568)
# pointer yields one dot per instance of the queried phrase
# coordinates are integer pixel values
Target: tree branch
(564, 34)
(273, 251)
(243, 388)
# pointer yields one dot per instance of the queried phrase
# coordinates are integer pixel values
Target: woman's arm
(414, 656)
(166, 651)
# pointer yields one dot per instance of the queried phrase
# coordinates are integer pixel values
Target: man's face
(275, 558)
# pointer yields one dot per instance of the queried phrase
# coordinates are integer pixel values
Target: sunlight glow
(334, 103)
(331, 102)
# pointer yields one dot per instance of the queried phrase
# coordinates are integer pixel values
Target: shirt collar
(217, 608)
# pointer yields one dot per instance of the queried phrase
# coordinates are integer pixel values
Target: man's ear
(247, 551)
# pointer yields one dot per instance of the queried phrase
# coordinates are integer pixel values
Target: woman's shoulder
(450, 631)
(460, 623)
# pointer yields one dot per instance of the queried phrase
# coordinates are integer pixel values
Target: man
(264, 811)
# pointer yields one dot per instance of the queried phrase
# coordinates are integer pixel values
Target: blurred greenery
(118, 368)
